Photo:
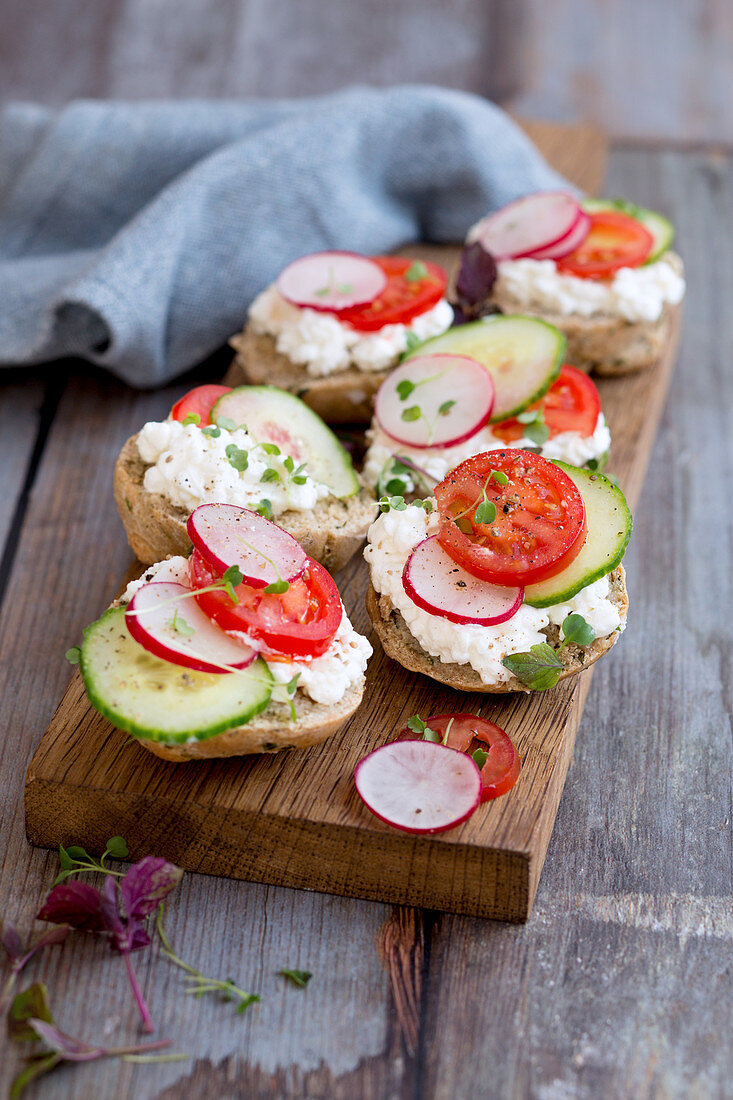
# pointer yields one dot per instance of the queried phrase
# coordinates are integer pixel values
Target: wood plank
(619, 984)
(20, 425)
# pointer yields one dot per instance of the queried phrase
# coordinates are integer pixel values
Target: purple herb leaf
(31, 1004)
(54, 935)
(35, 1067)
(476, 275)
(75, 903)
(146, 884)
(11, 941)
(70, 1049)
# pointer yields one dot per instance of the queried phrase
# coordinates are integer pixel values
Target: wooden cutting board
(294, 819)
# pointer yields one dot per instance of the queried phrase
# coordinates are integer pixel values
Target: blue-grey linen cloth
(135, 235)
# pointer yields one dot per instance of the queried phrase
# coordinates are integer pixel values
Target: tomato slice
(299, 623)
(614, 240)
(467, 733)
(572, 404)
(539, 525)
(200, 401)
(402, 298)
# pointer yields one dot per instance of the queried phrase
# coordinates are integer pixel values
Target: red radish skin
(530, 224)
(438, 380)
(331, 281)
(226, 535)
(419, 786)
(434, 582)
(150, 613)
(568, 244)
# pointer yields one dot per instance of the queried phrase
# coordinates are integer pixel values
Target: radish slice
(534, 222)
(227, 535)
(178, 631)
(419, 786)
(331, 281)
(434, 582)
(568, 244)
(435, 400)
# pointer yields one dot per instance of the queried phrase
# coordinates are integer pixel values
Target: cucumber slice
(523, 355)
(160, 701)
(661, 228)
(609, 530)
(275, 416)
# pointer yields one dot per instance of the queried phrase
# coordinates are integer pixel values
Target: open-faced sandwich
(334, 323)
(243, 647)
(255, 447)
(497, 382)
(510, 580)
(603, 272)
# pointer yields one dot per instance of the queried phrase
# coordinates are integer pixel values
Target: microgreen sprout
(297, 977)
(480, 756)
(416, 271)
(416, 725)
(192, 418)
(178, 625)
(276, 588)
(412, 341)
(485, 509)
(75, 860)
(225, 423)
(445, 408)
(264, 508)
(535, 428)
(236, 457)
(329, 288)
(212, 430)
(198, 983)
(73, 655)
(540, 668)
(446, 735)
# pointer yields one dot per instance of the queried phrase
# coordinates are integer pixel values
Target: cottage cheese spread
(634, 293)
(190, 468)
(569, 447)
(323, 344)
(324, 679)
(390, 540)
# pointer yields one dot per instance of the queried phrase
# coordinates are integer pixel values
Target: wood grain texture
(570, 60)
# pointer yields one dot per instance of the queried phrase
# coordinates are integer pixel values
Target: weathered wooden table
(619, 985)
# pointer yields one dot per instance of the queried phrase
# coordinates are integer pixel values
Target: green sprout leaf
(31, 1004)
(276, 588)
(117, 847)
(288, 463)
(538, 432)
(416, 725)
(539, 669)
(445, 408)
(192, 418)
(225, 423)
(576, 630)
(270, 475)
(480, 757)
(405, 388)
(485, 512)
(416, 271)
(499, 477)
(271, 449)
(236, 457)
(73, 655)
(297, 977)
(212, 430)
(412, 341)
(178, 625)
(265, 508)
(413, 413)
